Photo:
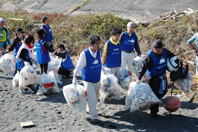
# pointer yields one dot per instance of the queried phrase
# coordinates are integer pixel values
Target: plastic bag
(141, 95)
(15, 80)
(48, 84)
(184, 84)
(7, 63)
(35, 63)
(27, 75)
(137, 64)
(69, 94)
(109, 87)
(125, 78)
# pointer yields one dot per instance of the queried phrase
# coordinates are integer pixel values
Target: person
(155, 64)
(25, 52)
(48, 32)
(194, 38)
(66, 64)
(16, 43)
(90, 64)
(111, 58)
(42, 51)
(129, 42)
(4, 36)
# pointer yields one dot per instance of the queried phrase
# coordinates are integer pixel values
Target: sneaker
(117, 98)
(22, 90)
(29, 91)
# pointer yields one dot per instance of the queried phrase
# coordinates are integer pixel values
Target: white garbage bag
(15, 80)
(47, 84)
(184, 84)
(69, 93)
(7, 63)
(125, 78)
(35, 63)
(141, 95)
(109, 87)
(27, 75)
(137, 65)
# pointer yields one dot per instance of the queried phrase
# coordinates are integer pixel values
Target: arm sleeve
(169, 54)
(121, 39)
(22, 56)
(105, 53)
(146, 63)
(7, 37)
(61, 54)
(13, 45)
(192, 39)
(137, 48)
(47, 47)
(82, 61)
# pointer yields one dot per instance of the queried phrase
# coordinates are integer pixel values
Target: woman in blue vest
(90, 64)
(25, 52)
(155, 64)
(66, 64)
(16, 43)
(48, 32)
(129, 42)
(42, 51)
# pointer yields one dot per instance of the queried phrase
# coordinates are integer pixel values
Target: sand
(52, 113)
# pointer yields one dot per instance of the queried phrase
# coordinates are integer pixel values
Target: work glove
(74, 81)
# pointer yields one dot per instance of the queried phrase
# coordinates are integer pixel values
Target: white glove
(74, 81)
(138, 81)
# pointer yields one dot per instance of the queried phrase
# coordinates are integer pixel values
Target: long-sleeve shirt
(47, 47)
(62, 54)
(136, 45)
(14, 44)
(82, 61)
(147, 63)
(7, 37)
(192, 39)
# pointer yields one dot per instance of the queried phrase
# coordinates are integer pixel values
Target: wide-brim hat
(2, 20)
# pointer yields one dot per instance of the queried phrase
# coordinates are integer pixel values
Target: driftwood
(171, 15)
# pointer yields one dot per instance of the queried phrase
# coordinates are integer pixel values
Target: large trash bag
(125, 78)
(140, 94)
(184, 84)
(7, 63)
(27, 76)
(78, 101)
(15, 80)
(35, 63)
(137, 65)
(109, 87)
(54, 65)
(48, 84)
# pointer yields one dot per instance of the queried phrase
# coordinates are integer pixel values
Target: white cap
(2, 19)
(130, 24)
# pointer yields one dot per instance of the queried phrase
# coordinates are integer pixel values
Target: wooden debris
(27, 124)
(192, 97)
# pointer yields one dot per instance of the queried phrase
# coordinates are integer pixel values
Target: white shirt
(82, 61)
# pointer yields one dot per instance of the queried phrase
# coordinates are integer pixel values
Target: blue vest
(67, 64)
(128, 43)
(159, 64)
(16, 49)
(92, 71)
(48, 36)
(42, 57)
(20, 64)
(114, 55)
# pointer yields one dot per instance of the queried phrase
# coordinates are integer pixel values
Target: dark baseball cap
(157, 44)
(19, 30)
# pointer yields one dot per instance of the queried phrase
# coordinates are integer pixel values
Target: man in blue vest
(48, 32)
(4, 36)
(129, 42)
(155, 64)
(90, 64)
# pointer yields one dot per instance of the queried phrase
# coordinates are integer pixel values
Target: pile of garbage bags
(184, 84)
(75, 97)
(109, 87)
(125, 78)
(7, 63)
(47, 84)
(137, 64)
(139, 95)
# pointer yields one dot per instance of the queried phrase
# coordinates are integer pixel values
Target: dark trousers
(44, 68)
(154, 83)
(63, 71)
